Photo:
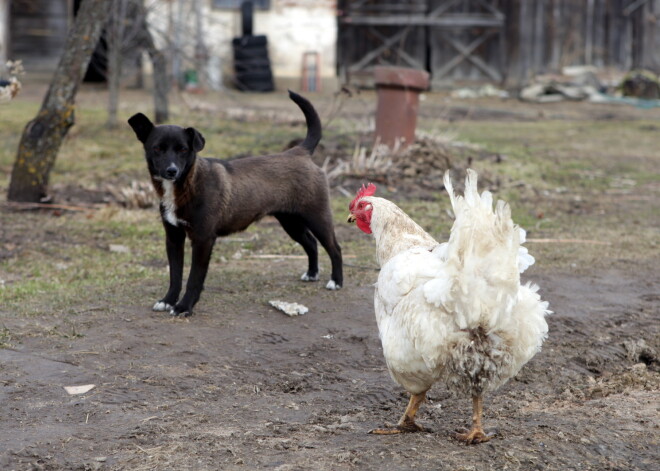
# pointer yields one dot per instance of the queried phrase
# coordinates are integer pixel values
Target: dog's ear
(141, 125)
(196, 139)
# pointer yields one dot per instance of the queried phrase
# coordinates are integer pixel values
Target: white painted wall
(293, 30)
(292, 26)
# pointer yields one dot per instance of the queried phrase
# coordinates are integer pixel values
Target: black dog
(206, 198)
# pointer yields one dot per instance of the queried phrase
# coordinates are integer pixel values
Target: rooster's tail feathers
(449, 187)
(471, 197)
(483, 256)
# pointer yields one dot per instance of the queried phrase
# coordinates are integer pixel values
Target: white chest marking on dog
(168, 202)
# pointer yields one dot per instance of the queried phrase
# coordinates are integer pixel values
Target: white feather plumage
(455, 311)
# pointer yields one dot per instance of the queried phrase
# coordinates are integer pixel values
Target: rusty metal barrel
(398, 90)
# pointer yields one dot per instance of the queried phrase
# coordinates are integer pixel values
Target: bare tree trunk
(161, 85)
(175, 43)
(161, 77)
(114, 76)
(115, 44)
(43, 136)
(201, 52)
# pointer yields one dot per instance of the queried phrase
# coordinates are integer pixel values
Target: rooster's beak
(350, 219)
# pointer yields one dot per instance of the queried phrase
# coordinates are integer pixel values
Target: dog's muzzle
(171, 172)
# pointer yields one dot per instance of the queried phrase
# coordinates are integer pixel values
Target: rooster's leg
(407, 423)
(476, 434)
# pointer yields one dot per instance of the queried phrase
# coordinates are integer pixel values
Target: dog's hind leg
(322, 228)
(201, 256)
(295, 226)
(175, 238)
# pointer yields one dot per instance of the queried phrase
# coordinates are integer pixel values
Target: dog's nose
(171, 172)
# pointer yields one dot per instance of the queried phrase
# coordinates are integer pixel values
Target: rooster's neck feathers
(394, 230)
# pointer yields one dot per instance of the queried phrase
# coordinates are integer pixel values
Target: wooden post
(599, 34)
(651, 36)
(637, 24)
(589, 33)
(555, 53)
(524, 41)
(539, 37)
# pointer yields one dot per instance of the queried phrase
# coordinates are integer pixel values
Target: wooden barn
(34, 31)
(500, 41)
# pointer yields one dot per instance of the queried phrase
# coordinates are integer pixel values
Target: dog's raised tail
(314, 132)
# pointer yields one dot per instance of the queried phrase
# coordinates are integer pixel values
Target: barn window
(235, 4)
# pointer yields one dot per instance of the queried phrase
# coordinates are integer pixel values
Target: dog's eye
(183, 150)
(156, 148)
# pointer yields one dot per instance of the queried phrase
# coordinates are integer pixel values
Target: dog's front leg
(201, 255)
(175, 238)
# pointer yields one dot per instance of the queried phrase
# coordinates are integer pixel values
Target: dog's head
(170, 150)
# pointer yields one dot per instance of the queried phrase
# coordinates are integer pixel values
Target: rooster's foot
(473, 436)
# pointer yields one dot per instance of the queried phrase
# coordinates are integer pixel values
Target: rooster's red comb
(368, 190)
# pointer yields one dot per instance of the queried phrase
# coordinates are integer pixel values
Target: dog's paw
(307, 277)
(180, 311)
(332, 285)
(161, 306)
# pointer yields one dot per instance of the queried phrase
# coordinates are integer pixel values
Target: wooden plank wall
(542, 36)
(356, 42)
(491, 52)
(38, 30)
(539, 36)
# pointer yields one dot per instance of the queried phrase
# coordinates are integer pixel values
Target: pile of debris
(137, 195)
(578, 83)
(641, 84)
(574, 83)
(416, 170)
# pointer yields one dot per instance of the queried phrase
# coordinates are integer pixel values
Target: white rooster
(454, 311)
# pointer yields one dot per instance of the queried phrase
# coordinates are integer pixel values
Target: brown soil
(241, 386)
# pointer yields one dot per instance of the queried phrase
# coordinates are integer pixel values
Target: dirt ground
(240, 386)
